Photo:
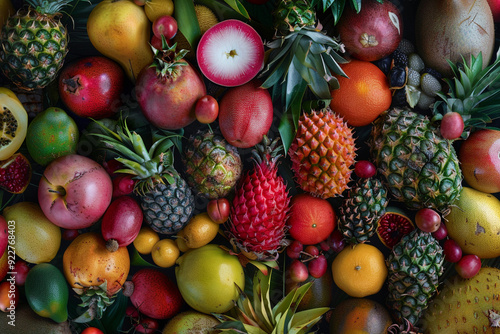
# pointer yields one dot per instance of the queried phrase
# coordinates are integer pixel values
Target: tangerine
(359, 270)
(165, 252)
(200, 230)
(145, 240)
(363, 95)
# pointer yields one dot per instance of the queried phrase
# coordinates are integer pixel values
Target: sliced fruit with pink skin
(230, 53)
(15, 174)
(165, 25)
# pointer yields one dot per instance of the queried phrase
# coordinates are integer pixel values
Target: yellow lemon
(165, 252)
(145, 240)
(199, 231)
(156, 8)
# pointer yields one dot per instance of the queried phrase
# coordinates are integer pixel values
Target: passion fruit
(393, 225)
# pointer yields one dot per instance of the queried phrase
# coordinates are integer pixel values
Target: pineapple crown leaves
(48, 7)
(259, 316)
(267, 151)
(96, 300)
(168, 61)
(337, 6)
(474, 93)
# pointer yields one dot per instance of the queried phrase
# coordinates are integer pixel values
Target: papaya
(47, 292)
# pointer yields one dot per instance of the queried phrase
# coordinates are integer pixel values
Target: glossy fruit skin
(168, 103)
(218, 210)
(206, 109)
(360, 315)
(320, 294)
(245, 114)
(373, 33)
(122, 221)
(428, 220)
(21, 270)
(147, 326)
(47, 292)
(441, 232)
(9, 296)
(452, 251)
(155, 295)
(52, 134)
(318, 266)
(452, 125)
(468, 266)
(9, 101)
(365, 169)
(92, 330)
(495, 9)
(4, 235)
(479, 157)
(165, 25)
(190, 321)
(297, 271)
(87, 263)
(74, 191)
(92, 86)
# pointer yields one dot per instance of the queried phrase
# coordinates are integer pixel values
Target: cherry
(165, 25)
(318, 266)
(291, 254)
(312, 250)
(452, 251)
(441, 232)
(296, 246)
(365, 169)
(427, 220)
(468, 266)
(337, 241)
(298, 271)
(325, 245)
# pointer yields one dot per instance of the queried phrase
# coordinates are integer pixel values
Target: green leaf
(292, 297)
(137, 260)
(278, 73)
(304, 320)
(287, 132)
(187, 21)
(293, 85)
(238, 7)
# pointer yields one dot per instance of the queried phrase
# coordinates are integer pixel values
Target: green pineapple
(260, 316)
(213, 166)
(419, 167)
(414, 267)
(361, 209)
(34, 44)
(166, 199)
(292, 15)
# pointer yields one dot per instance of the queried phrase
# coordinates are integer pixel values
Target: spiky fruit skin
(419, 167)
(415, 265)
(259, 212)
(323, 154)
(34, 47)
(167, 208)
(291, 15)
(466, 305)
(361, 209)
(213, 166)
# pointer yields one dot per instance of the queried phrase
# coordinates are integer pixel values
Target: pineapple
(361, 209)
(260, 206)
(213, 166)
(323, 154)
(34, 44)
(165, 197)
(260, 316)
(415, 265)
(292, 15)
(420, 168)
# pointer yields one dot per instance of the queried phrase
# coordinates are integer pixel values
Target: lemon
(156, 8)
(165, 252)
(145, 240)
(199, 231)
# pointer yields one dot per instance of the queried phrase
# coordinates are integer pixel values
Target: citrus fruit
(359, 270)
(200, 230)
(145, 240)
(156, 8)
(359, 315)
(363, 96)
(165, 252)
(311, 220)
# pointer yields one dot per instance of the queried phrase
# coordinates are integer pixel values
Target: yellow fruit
(199, 231)
(474, 223)
(165, 252)
(359, 270)
(37, 239)
(191, 322)
(181, 242)
(156, 8)
(145, 240)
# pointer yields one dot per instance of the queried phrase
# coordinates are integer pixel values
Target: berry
(452, 251)
(312, 250)
(400, 58)
(415, 62)
(337, 241)
(427, 220)
(441, 233)
(468, 266)
(318, 266)
(429, 84)
(452, 125)
(406, 46)
(291, 254)
(365, 169)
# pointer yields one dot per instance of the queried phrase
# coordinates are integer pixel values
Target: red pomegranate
(92, 86)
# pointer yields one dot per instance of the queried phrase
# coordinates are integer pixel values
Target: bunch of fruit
(249, 166)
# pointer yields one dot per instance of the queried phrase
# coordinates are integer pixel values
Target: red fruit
(156, 42)
(374, 32)
(4, 265)
(123, 184)
(165, 25)
(452, 125)
(245, 114)
(337, 241)
(206, 109)
(311, 220)
(21, 270)
(218, 210)
(154, 294)
(452, 251)
(298, 271)
(147, 326)
(293, 250)
(495, 9)
(131, 312)
(325, 245)
(168, 101)
(427, 220)
(291, 254)
(69, 234)
(468, 266)
(121, 222)
(230, 53)
(92, 330)
(111, 166)
(15, 173)
(365, 169)
(312, 250)
(4, 235)
(441, 232)
(318, 266)
(92, 86)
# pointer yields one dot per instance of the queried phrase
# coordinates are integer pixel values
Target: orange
(199, 231)
(145, 240)
(363, 96)
(359, 270)
(165, 252)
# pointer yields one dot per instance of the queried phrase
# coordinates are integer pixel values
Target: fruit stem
(59, 190)
(231, 54)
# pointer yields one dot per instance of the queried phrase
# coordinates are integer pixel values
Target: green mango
(47, 292)
(51, 134)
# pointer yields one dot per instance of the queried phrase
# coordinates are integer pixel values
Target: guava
(206, 278)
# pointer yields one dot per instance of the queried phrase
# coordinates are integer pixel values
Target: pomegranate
(92, 86)
(374, 32)
(168, 90)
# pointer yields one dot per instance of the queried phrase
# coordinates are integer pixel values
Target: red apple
(74, 191)
(495, 9)
(479, 156)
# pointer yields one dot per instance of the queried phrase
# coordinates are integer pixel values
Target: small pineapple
(213, 166)
(34, 44)
(292, 15)
(415, 265)
(323, 154)
(419, 167)
(361, 209)
(165, 197)
(260, 206)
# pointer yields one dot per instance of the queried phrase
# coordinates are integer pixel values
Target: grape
(325, 245)
(318, 266)
(312, 250)
(468, 266)
(337, 241)
(452, 251)
(441, 232)
(291, 254)
(296, 246)
(365, 169)
(428, 220)
(298, 271)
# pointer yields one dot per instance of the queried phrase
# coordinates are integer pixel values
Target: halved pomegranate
(15, 173)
